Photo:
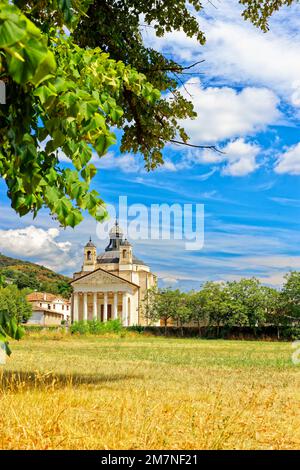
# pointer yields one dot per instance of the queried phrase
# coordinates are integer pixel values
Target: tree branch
(210, 147)
(178, 68)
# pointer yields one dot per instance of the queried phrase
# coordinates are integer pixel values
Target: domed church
(112, 284)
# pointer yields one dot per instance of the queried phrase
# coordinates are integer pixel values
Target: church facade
(111, 285)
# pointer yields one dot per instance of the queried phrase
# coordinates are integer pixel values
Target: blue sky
(248, 103)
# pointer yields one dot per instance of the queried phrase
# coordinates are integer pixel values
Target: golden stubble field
(137, 392)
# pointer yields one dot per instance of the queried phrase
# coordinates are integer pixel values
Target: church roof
(90, 244)
(44, 297)
(109, 257)
(106, 272)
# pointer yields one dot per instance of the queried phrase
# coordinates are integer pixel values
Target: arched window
(89, 255)
(124, 254)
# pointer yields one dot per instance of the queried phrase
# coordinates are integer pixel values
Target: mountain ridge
(26, 274)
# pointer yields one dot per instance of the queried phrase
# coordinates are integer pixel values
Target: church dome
(116, 231)
(111, 254)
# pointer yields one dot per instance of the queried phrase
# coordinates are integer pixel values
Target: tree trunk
(166, 321)
(199, 328)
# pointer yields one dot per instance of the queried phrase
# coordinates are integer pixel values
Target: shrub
(137, 328)
(291, 332)
(95, 327)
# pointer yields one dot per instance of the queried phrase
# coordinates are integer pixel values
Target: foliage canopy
(243, 303)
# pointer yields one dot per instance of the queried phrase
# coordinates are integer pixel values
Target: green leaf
(89, 172)
(44, 93)
(103, 143)
(11, 31)
(33, 54)
(45, 69)
(74, 218)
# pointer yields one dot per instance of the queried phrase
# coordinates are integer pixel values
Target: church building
(112, 284)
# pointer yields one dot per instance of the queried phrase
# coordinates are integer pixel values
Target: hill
(36, 277)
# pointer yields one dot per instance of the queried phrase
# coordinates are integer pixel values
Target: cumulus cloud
(238, 53)
(224, 113)
(241, 158)
(289, 161)
(127, 163)
(39, 245)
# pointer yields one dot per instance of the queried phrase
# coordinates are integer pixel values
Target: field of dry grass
(137, 392)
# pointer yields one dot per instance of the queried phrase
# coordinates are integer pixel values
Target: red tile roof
(44, 297)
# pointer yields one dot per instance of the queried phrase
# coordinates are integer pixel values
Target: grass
(139, 392)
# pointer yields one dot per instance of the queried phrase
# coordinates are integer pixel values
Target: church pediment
(99, 277)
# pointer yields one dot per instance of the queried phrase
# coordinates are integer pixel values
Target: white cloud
(238, 53)
(168, 280)
(169, 165)
(241, 158)
(127, 163)
(33, 243)
(289, 161)
(224, 113)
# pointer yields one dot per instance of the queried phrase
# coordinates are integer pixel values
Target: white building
(111, 285)
(48, 309)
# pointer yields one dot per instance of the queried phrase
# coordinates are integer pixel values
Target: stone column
(85, 307)
(129, 309)
(115, 305)
(105, 307)
(95, 306)
(124, 308)
(75, 307)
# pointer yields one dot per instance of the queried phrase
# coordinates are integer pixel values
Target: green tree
(182, 313)
(215, 307)
(161, 304)
(15, 303)
(65, 289)
(70, 90)
(291, 295)
(2, 281)
(248, 302)
(14, 309)
(274, 308)
(199, 312)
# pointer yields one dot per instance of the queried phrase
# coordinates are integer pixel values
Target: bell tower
(90, 256)
(125, 252)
